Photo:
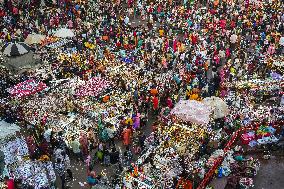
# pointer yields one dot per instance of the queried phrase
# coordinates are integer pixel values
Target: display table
(36, 173)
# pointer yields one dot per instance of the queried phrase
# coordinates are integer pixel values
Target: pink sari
(166, 45)
(271, 49)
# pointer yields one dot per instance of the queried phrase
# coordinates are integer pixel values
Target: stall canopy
(64, 33)
(20, 63)
(192, 111)
(7, 130)
(34, 39)
(220, 108)
(15, 49)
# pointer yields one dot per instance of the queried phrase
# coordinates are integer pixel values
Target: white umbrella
(192, 111)
(220, 108)
(64, 33)
(34, 39)
(7, 130)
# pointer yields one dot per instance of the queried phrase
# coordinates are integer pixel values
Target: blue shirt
(189, 23)
(262, 36)
(92, 181)
(177, 79)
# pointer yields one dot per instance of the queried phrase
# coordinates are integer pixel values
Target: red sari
(155, 103)
(175, 45)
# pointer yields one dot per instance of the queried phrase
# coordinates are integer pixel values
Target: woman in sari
(126, 134)
(84, 144)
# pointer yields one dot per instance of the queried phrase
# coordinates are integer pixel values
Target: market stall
(260, 90)
(37, 174)
(245, 136)
(219, 106)
(17, 164)
(179, 152)
(103, 72)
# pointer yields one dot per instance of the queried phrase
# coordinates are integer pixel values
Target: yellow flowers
(129, 121)
(89, 45)
(44, 158)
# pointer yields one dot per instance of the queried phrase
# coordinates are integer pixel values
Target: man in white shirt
(281, 41)
(111, 134)
(47, 134)
(75, 146)
(126, 20)
(282, 100)
(233, 38)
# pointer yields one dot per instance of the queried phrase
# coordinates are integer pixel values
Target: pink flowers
(27, 88)
(93, 87)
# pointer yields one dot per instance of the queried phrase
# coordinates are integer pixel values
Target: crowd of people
(153, 54)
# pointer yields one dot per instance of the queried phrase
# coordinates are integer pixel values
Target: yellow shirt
(194, 97)
(188, 93)
(161, 32)
(233, 70)
(129, 121)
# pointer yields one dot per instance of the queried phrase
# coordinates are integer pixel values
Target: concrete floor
(269, 176)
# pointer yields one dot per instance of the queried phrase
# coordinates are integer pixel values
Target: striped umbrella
(15, 49)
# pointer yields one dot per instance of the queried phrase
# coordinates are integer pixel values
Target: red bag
(245, 138)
